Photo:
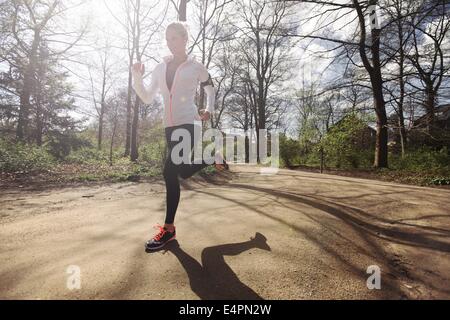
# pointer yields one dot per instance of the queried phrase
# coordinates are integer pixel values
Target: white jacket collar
(169, 58)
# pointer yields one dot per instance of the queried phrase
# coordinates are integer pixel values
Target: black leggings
(173, 170)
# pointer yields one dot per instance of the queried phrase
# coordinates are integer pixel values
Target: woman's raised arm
(146, 95)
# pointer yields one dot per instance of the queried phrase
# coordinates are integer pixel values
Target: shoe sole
(161, 246)
(222, 166)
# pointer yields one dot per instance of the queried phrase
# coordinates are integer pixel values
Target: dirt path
(322, 233)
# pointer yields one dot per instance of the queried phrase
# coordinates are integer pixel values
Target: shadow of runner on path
(214, 279)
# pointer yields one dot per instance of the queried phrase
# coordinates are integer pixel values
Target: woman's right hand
(139, 68)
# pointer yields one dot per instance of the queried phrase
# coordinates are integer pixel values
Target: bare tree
(210, 17)
(181, 8)
(368, 47)
(226, 81)
(429, 59)
(31, 26)
(398, 47)
(266, 51)
(104, 77)
(142, 26)
(372, 49)
(114, 105)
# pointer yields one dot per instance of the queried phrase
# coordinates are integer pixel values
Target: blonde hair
(179, 27)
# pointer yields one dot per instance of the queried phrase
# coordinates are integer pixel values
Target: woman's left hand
(205, 115)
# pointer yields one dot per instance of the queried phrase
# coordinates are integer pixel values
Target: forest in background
(372, 97)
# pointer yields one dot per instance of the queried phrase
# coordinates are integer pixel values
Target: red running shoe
(160, 239)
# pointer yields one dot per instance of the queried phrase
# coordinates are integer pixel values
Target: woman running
(177, 79)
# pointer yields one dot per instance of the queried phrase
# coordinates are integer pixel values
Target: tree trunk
(247, 149)
(100, 125)
(321, 160)
(113, 135)
(381, 151)
(202, 90)
(182, 10)
(402, 132)
(255, 115)
(374, 71)
(134, 154)
(102, 110)
(134, 132)
(401, 116)
(28, 82)
(39, 124)
(129, 102)
(429, 105)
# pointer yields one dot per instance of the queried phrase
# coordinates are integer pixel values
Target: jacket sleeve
(146, 94)
(208, 85)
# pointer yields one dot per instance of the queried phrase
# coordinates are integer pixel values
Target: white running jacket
(179, 106)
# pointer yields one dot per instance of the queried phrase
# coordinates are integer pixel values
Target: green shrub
(343, 146)
(21, 157)
(152, 154)
(312, 158)
(422, 159)
(440, 181)
(289, 151)
(60, 145)
(88, 155)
